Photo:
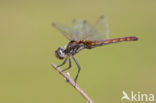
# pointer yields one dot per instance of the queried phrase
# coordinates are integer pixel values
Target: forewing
(76, 33)
(67, 32)
(83, 31)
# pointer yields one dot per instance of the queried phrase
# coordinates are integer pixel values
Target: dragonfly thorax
(73, 47)
(60, 53)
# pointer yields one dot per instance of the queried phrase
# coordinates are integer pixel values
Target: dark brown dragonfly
(85, 36)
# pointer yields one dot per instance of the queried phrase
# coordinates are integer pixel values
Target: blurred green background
(28, 42)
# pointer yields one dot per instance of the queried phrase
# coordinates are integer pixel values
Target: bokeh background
(28, 42)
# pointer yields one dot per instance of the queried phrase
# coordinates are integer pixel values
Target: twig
(72, 82)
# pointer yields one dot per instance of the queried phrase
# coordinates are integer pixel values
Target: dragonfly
(83, 35)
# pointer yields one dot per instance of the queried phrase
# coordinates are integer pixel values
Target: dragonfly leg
(64, 62)
(68, 66)
(78, 68)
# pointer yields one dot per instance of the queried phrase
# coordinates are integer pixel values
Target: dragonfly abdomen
(119, 40)
(110, 41)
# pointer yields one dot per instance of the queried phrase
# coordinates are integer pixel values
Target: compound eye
(60, 53)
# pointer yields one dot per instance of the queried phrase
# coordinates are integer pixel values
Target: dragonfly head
(60, 53)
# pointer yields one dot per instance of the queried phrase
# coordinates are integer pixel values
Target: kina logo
(137, 96)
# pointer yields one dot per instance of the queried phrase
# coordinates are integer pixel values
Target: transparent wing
(67, 32)
(82, 28)
(102, 26)
(76, 33)
(100, 30)
(83, 31)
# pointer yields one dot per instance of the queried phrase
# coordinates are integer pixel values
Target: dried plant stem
(72, 82)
